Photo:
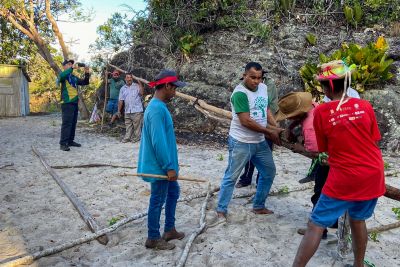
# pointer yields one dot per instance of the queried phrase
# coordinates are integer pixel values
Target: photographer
(69, 102)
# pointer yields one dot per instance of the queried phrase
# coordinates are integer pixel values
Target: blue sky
(84, 34)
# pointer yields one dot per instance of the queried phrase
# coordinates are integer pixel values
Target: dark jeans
(162, 191)
(246, 177)
(69, 113)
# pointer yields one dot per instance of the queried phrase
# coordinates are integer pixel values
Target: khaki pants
(133, 126)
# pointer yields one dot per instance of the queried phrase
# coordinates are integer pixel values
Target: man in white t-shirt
(130, 97)
(247, 141)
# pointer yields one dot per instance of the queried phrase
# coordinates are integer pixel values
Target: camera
(81, 64)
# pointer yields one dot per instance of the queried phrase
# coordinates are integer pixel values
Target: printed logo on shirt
(261, 104)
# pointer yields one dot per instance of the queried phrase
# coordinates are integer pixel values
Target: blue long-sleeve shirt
(158, 152)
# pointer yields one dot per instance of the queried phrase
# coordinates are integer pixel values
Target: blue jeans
(239, 154)
(162, 191)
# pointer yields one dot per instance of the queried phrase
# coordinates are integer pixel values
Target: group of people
(340, 134)
(125, 97)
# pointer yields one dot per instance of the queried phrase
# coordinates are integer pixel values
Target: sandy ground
(35, 214)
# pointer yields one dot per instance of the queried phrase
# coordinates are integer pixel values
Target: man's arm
(159, 138)
(270, 131)
(270, 118)
(141, 88)
(63, 75)
(85, 80)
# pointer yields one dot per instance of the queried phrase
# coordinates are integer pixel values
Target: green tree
(34, 22)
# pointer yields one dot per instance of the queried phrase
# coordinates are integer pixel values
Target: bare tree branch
(56, 30)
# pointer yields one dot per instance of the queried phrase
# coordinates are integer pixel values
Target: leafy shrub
(311, 39)
(261, 31)
(372, 65)
(188, 43)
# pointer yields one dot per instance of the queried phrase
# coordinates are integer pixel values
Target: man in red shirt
(347, 130)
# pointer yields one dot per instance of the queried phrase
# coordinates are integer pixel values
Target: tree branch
(56, 30)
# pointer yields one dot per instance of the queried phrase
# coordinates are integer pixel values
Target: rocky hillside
(215, 70)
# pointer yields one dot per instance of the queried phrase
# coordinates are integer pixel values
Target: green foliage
(261, 31)
(114, 35)
(353, 14)
(188, 43)
(396, 212)
(113, 220)
(286, 5)
(374, 236)
(283, 190)
(372, 65)
(220, 157)
(386, 165)
(311, 39)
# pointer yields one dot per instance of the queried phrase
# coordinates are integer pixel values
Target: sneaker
(160, 244)
(64, 148)
(306, 179)
(240, 185)
(75, 144)
(264, 211)
(173, 234)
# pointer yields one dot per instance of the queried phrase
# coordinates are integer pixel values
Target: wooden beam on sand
(184, 178)
(80, 207)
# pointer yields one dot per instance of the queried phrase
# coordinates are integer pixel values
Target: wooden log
(92, 165)
(184, 178)
(80, 207)
(29, 259)
(377, 229)
(202, 225)
(97, 165)
(105, 97)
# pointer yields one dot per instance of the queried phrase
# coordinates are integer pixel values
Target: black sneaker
(75, 144)
(306, 180)
(240, 185)
(64, 148)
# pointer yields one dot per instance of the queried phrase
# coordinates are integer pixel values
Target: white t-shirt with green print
(256, 103)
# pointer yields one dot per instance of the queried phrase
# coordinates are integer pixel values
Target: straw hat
(293, 104)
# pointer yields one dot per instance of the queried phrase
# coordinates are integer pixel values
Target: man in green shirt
(115, 84)
(247, 142)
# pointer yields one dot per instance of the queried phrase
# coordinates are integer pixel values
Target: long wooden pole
(105, 96)
(80, 207)
(184, 178)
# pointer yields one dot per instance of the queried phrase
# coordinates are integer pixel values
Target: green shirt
(115, 86)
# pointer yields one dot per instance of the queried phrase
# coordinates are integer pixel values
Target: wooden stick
(105, 97)
(377, 229)
(29, 259)
(92, 165)
(80, 207)
(124, 71)
(7, 165)
(96, 165)
(184, 178)
(202, 225)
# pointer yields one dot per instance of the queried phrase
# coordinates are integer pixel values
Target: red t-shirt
(349, 137)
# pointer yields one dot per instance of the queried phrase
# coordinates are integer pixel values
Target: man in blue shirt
(158, 154)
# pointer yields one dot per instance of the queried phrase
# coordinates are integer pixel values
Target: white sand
(35, 214)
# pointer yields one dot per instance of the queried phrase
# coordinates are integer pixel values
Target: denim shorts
(112, 106)
(328, 210)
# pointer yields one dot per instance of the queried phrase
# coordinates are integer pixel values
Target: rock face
(218, 65)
